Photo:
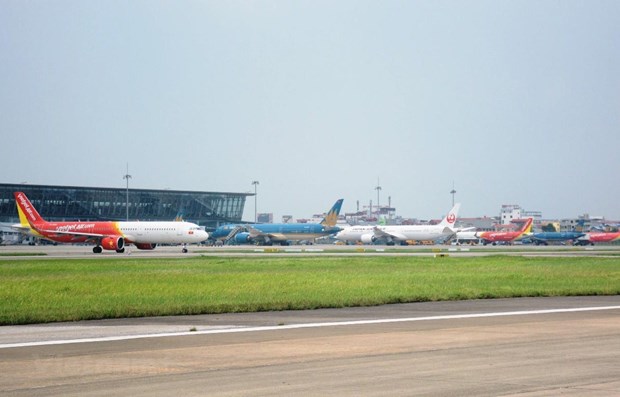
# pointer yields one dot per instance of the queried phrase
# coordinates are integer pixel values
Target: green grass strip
(39, 291)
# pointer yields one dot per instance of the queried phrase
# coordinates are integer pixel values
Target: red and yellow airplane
(107, 235)
(598, 237)
(494, 237)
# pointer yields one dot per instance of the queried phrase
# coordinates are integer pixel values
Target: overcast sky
(516, 102)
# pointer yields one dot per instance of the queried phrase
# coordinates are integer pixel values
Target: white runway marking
(309, 325)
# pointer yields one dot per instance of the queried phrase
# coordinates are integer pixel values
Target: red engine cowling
(112, 243)
(145, 246)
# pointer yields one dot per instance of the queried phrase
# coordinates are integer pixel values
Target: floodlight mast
(127, 177)
(255, 183)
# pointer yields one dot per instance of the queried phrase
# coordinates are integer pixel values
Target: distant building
(511, 212)
(481, 224)
(264, 218)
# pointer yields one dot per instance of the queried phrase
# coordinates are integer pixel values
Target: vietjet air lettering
(107, 235)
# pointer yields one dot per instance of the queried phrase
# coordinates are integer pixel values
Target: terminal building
(72, 203)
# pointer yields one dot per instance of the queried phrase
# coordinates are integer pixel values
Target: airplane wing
(19, 228)
(259, 235)
(59, 233)
(379, 233)
(77, 234)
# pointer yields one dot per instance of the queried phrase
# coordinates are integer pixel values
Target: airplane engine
(145, 246)
(242, 238)
(368, 238)
(112, 243)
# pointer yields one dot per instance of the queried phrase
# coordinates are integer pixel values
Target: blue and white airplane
(282, 233)
(544, 238)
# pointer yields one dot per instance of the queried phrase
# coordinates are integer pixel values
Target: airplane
(544, 238)
(107, 235)
(283, 233)
(399, 233)
(495, 237)
(598, 237)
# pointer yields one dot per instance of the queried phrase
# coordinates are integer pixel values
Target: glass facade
(60, 203)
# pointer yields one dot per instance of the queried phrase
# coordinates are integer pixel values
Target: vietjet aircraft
(107, 235)
(397, 233)
(598, 237)
(494, 237)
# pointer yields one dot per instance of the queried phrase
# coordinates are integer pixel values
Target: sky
(510, 102)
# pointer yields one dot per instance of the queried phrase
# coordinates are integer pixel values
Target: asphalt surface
(512, 347)
(25, 252)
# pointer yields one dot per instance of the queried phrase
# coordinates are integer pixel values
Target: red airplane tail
(27, 213)
(527, 227)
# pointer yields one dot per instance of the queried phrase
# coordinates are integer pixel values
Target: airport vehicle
(282, 233)
(400, 233)
(598, 237)
(544, 238)
(107, 235)
(467, 237)
(506, 237)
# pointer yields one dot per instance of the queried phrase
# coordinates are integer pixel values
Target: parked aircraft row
(146, 235)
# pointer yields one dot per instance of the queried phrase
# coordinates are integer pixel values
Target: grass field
(38, 291)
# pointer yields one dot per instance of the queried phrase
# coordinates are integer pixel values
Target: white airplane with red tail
(107, 235)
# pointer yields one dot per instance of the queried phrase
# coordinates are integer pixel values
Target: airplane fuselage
(599, 237)
(275, 232)
(132, 232)
(391, 233)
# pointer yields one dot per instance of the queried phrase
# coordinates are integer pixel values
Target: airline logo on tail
(25, 209)
(527, 227)
(331, 218)
(24, 222)
(450, 219)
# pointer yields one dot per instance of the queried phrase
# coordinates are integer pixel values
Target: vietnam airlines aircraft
(544, 238)
(107, 235)
(494, 237)
(282, 233)
(398, 233)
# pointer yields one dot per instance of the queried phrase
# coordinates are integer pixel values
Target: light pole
(453, 192)
(255, 183)
(378, 189)
(127, 177)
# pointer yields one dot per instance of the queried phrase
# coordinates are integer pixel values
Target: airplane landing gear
(184, 250)
(97, 249)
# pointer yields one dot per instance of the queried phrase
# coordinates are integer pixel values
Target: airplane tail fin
(450, 219)
(28, 215)
(331, 218)
(527, 226)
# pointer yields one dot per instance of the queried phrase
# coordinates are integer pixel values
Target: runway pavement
(17, 252)
(518, 347)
